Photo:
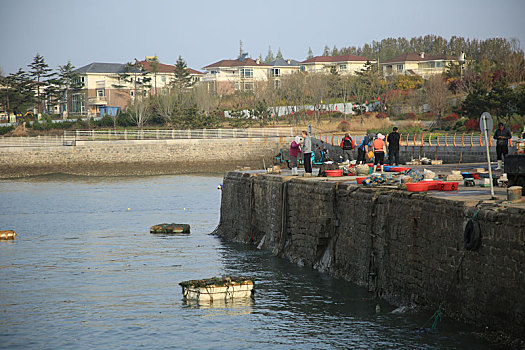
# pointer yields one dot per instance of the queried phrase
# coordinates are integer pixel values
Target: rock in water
(170, 228)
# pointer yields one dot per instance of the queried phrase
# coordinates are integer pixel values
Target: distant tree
(18, 95)
(154, 64)
(68, 81)
(139, 110)
(437, 94)
(269, 57)
(279, 55)
(326, 51)
(241, 50)
(310, 53)
(182, 76)
(136, 74)
(477, 101)
(261, 57)
(335, 52)
(40, 72)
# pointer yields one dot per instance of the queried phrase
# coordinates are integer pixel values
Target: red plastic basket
(334, 173)
(434, 185)
(417, 187)
(360, 180)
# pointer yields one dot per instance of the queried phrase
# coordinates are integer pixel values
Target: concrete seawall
(147, 157)
(406, 247)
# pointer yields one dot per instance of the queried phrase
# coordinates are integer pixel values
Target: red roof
(247, 62)
(413, 56)
(164, 68)
(344, 58)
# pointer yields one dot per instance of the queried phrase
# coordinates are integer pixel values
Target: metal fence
(424, 139)
(71, 137)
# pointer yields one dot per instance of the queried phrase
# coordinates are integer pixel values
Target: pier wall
(145, 157)
(406, 247)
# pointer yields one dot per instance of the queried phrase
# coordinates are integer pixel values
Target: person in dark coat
(363, 148)
(347, 145)
(502, 137)
(393, 147)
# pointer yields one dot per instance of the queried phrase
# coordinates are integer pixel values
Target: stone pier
(406, 247)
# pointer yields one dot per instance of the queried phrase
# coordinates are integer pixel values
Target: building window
(399, 67)
(163, 78)
(303, 68)
(275, 72)
(163, 91)
(246, 73)
(214, 72)
(342, 67)
(100, 93)
(132, 93)
(440, 64)
(236, 86)
(248, 86)
(277, 84)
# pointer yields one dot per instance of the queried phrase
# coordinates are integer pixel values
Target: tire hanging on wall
(472, 235)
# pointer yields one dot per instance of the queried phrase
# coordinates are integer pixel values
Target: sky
(203, 32)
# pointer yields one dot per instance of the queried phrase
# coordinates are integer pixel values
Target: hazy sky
(206, 31)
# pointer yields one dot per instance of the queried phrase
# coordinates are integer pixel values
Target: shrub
(124, 120)
(472, 124)
(451, 117)
(516, 127)
(411, 116)
(6, 129)
(381, 115)
(106, 121)
(343, 126)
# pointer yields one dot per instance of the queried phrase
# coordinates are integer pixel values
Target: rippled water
(84, 272)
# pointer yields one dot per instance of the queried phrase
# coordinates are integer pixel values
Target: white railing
(38, 141)
(71, 137)
(108, 135)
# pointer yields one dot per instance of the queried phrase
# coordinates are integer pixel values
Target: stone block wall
(140, 157)
(406, 247)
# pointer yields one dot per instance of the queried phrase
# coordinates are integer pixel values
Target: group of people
(374, 146)
(304, 146)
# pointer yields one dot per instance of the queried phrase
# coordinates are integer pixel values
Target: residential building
(113, 84)
(417, 64)
(165, 74)
(280, 67)
(242, 74)
(344, 65)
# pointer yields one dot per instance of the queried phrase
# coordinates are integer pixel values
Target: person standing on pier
(347, 145)
(502, 135)
(379, 151)
(393, 147)
(362, 150)
(307, 153)
(295, 148)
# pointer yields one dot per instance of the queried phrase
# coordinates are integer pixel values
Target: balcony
(97, 101)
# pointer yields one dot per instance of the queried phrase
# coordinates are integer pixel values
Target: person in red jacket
(347, 145)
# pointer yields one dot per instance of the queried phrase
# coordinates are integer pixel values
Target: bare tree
(140, 111)
(437, 96)
(317, 91)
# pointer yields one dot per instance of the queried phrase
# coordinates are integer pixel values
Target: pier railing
(461, 139)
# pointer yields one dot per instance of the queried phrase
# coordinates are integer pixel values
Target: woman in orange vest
(379, 150)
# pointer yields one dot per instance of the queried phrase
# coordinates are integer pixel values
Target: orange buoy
(7, 235)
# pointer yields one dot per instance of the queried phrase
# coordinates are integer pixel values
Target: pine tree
(18, 95)
(310, 53)
(39, 71)
(326, 51)
(69, 80)
(182, 76)
(240, 50)
(279, 55)
(269, 57)
(335, 52)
